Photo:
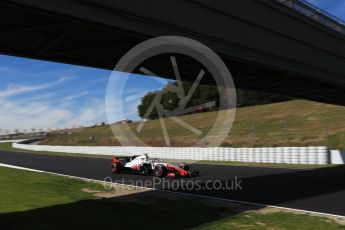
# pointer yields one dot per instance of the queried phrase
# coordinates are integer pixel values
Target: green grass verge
(23, 190)
(30, 200)
(279, 220)
(7, 146)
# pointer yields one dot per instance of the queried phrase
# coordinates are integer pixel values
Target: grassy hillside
(293, 123)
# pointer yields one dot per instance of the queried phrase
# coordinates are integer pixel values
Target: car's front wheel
(160, 171)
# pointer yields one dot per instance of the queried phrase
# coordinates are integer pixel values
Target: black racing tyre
(115, 167)
(186, 167)
(160, 171)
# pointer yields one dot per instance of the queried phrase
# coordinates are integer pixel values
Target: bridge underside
(40, 35)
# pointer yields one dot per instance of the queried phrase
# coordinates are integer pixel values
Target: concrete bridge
(284, 47)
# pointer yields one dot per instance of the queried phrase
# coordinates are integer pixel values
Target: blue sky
(334, 7)
(39, 94)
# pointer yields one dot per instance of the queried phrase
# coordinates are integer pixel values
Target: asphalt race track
(319, 190)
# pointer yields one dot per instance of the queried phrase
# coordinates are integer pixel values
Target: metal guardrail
(316, 14)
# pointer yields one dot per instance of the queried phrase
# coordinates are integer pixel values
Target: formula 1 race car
(145, 165)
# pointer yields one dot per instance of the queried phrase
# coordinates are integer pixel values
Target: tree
(170, 100)
(145, 104)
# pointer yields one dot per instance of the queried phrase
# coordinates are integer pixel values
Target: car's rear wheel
(160, 171)
(115, 167)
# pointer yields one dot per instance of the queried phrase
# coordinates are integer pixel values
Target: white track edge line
(178, 193)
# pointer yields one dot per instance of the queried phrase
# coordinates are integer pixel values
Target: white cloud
(47, 105)
(46, 110)
(13, 89)
(129, 104)
(136, 97)
(88, 115)
(76, 95)
(30, 115)
(45, 114)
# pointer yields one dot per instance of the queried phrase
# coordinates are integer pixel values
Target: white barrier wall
(288, 155)
(337, 157)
